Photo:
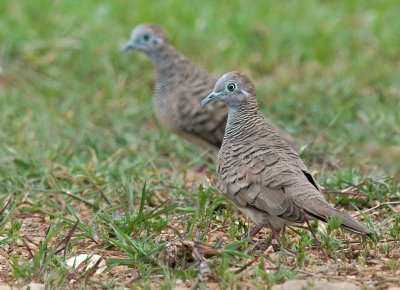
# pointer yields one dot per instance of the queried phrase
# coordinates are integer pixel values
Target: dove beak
(127, 46)
(210, 99)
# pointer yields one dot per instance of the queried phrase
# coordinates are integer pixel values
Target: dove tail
(352, 224)
(348, 223)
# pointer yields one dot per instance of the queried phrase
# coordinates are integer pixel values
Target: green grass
(86, 168)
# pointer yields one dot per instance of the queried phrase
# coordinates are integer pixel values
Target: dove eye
(146, 36)
(231, 87)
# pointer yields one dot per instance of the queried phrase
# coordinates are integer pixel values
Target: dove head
(148, 38)
(233, 88)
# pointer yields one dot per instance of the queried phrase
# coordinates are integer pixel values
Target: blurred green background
(322, 68)
(76, 124)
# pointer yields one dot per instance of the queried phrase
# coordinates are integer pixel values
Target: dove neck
(169, 61)
(172, 68)
(241, 119)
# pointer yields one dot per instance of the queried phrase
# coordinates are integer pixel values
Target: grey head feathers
(148, 38)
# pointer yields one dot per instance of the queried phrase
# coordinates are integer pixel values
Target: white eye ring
(231, 87)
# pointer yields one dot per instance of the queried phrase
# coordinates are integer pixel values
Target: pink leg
(275, 233)
(284, 230)
(252, 232)
(313, 234)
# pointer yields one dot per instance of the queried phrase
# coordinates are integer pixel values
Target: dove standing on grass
(180, 86)
(259, 172)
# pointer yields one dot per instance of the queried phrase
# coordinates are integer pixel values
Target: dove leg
(313, 234)
(252, 232)
(256, 229)
(275, 233)
(283, 232)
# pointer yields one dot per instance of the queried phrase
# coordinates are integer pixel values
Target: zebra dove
(180, 86)
(259, 172)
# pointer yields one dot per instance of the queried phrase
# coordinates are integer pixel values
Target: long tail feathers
(348, 223)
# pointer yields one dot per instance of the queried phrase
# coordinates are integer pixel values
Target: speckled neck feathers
(241, 120)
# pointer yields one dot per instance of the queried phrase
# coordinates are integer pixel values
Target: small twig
(69, 236)
(355, 193)
(27, 247)
(206, 249)
(245, 266)
(67, 239)
(103, 195)
(310, 273)
(90, 272)
(380, 241)
(160, 205)
(133, 280)
(215, 229)
(4, 207)
(375, 207)
(81, 199)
